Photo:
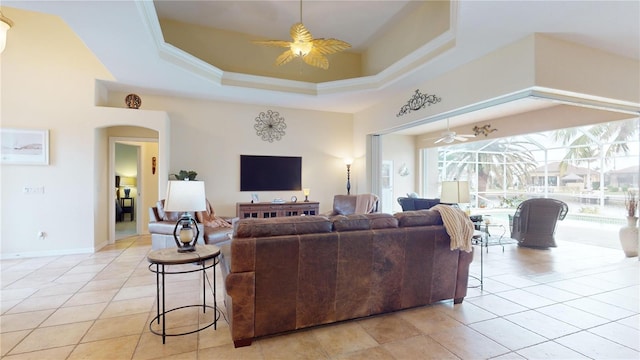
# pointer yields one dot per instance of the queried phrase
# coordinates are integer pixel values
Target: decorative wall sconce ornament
(417, 102)
(133, 101)
(153, 165)
(270, 126)
(485, 130)
(404, 170)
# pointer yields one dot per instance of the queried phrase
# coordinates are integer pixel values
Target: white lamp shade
(128, 181)
(454, 192)
(185, 196)
(5, 25)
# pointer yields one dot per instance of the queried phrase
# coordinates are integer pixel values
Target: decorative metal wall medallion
(417, 102)
(133, 101)
(270, 126)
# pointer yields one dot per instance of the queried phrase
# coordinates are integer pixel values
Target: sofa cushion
(423, 204)
(287, 225)
(169, 215)
(418, 218)
(355, 222)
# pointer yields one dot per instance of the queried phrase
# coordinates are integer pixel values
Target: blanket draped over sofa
(458, 225)
(289, 273)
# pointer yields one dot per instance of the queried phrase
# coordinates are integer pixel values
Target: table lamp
(305, 191)
(127, 183)
(187, 197)
(454, 192)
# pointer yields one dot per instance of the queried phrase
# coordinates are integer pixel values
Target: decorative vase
(629, 237)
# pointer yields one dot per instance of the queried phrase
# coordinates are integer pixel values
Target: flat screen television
(270, 173)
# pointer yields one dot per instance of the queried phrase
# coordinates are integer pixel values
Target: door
(386, 179)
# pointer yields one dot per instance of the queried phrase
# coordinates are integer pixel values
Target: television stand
(263, 210)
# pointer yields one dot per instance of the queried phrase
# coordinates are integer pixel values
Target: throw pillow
(209, 218)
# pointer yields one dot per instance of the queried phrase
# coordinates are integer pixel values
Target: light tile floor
(571, 302)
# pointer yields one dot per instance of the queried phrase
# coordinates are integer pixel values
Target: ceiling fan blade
(439, 140)
(278, 43)
(460, 138)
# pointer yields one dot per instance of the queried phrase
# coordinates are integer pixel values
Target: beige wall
(56, 90)
(534, 62)
(422, 22)
(401, 150)
(209, 137)
(202, 135)
(48, 79)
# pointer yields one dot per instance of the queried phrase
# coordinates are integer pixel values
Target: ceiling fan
(311, 51)
(449, 136)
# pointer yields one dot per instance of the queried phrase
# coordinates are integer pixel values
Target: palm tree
(601, 141)
(498, 163)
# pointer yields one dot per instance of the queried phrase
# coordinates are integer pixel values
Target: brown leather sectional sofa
(283, 274)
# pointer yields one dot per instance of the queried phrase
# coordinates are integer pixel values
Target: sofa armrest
(241, 288)
(153, 214)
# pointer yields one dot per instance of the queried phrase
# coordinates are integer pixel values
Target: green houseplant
(186, 174)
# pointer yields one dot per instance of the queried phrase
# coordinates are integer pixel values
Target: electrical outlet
(33, 190)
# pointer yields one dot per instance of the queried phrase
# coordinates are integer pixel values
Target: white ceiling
(118, 33)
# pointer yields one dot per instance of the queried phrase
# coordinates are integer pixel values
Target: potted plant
(629, 233)
(186, 174)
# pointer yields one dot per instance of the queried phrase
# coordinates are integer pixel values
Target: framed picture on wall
(24, 147)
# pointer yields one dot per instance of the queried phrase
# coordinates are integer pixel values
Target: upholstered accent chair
(534, 222)
(412, 203)
(354, 204)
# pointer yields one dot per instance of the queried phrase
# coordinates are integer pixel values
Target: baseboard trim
(35, 254)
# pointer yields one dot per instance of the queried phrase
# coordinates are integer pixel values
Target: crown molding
(401, 68)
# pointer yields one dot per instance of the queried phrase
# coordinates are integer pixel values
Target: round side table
(204, 257)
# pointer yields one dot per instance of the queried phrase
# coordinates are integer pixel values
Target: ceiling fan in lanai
(449, 136)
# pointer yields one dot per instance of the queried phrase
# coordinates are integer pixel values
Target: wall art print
(24, 147)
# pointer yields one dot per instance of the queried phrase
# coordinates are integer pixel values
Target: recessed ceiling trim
(590, 101)
(268, 83)
(417, 59)
(171, 53)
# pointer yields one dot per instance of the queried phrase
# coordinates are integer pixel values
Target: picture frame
(24, 146)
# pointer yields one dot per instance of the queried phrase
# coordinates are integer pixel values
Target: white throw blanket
(458, 226)
(365, 203)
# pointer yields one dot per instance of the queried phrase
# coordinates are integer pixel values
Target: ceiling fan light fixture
(311, 51)
(301, 48)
